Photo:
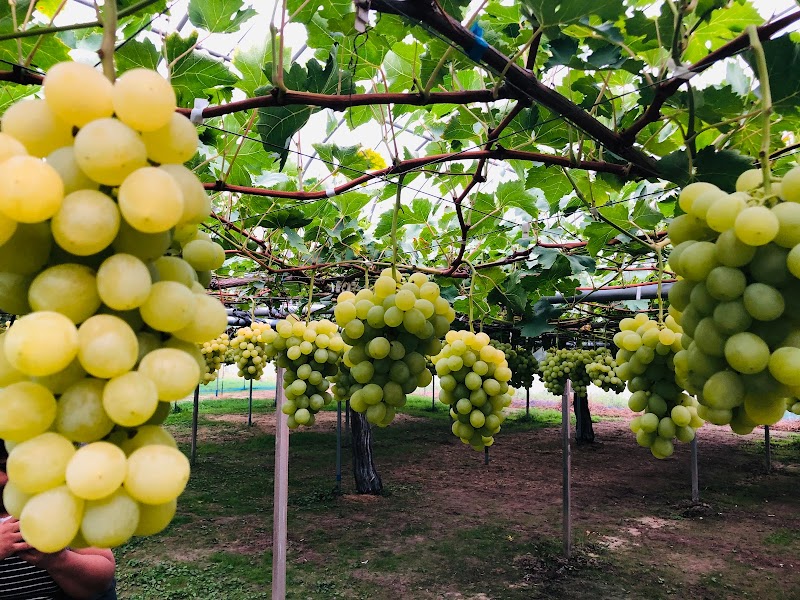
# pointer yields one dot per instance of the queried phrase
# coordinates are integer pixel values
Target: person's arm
(11, 540)
(81, 573)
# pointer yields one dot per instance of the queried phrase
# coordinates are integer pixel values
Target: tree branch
(415, 163)
(518, 78)
(668, 87)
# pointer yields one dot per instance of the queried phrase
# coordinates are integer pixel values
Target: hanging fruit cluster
(647, 360)
(214, 356)
(391, 328)
(522, 363)
(561, 364)
(473, 381)
(95, 209)
(309, 353)
(249, 350)
(739, 258)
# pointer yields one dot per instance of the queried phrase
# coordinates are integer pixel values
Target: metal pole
(219, 375)
(222, 387)
(566, 458)
(347, 421)
(528, 402)
(338, 447)
(767, 449)
(281, 498)
(195, 414)
(433, 393)
(250, 406)
(486, 455)
(695, 479)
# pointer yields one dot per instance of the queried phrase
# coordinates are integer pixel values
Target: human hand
(11, 540)
(41, 559)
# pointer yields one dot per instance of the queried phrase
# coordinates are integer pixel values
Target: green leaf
(722, 27)
(675, 167)
(783, 62)
(290, 218)
(721, 168)
(550, 13)
(219, 16)
(598, 234)
(537, 322)
(135, 54)
(193, 74)
(52, 49)
(350, 203)
(277, 124)
(251, 63)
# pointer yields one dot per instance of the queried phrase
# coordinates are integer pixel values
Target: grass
(405, 544)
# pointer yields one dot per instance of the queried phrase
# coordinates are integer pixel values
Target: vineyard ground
(450, 527)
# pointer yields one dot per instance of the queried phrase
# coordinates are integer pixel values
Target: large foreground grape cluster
(473, 377)
(739, 257)
(390, 329)
(101, 257)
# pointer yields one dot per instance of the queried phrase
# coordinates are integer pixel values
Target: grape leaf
(219, 16)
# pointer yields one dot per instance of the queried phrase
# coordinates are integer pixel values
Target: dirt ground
(631, 514)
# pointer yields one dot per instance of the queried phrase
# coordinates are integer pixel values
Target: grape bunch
(473, 381)
(602, 372)
(391, 328)
(101, 257)
(214, 356)
(738, 256)
(309, 353)
(249, 350)
(561, 364)
(647, 361)
(521, 362)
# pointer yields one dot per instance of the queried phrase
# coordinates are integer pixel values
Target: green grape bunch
(390, 328)
(214, 354)
(474, 381)
(309, 353)
(738, 298)
(249, 350)
(561, 364)
(602, 372)
(648, 361)
(522, 363)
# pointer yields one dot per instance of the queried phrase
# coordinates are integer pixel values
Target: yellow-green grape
(156, 474)
(51, 520)
(522, 363)
(473, 377)
(561, 364)
(249, 350)
(406, 317)
(78, 93)
(143, 100)
(150, 200)
(27, 409)
(175, 372)
(37, 127)
(196, 202)
(86, 222)
(108, 151)
(40, 463)
(69, 289)
(41, 343)
(111, 520)
(175, 142)
(25, 178)
(309, 353)
(63, 161)
(96, 470)
(655, 373)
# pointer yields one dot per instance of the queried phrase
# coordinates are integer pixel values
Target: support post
(250, 406)
(222, 386)
(281, 498)
(486, 455)
(338, 447)
(433, 393)
(767, 449)
(528, 402)
(695, 478)
(195, 415)
(216, 392)
(347, 421)
(566, 458)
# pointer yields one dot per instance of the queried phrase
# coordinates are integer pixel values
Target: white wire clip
(196, 116)
(638, 292)
(680, 71)
(330, 191)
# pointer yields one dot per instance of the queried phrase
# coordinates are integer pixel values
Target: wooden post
(695, 478)
(566, 458)
(767, 449)
(250, 406)
(195, 414)
(338, 447)
(281, 498)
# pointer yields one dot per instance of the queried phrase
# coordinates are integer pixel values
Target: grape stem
(394, 224)
(471, 286)
(106, 51)
(660, 258)
(766, 105)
